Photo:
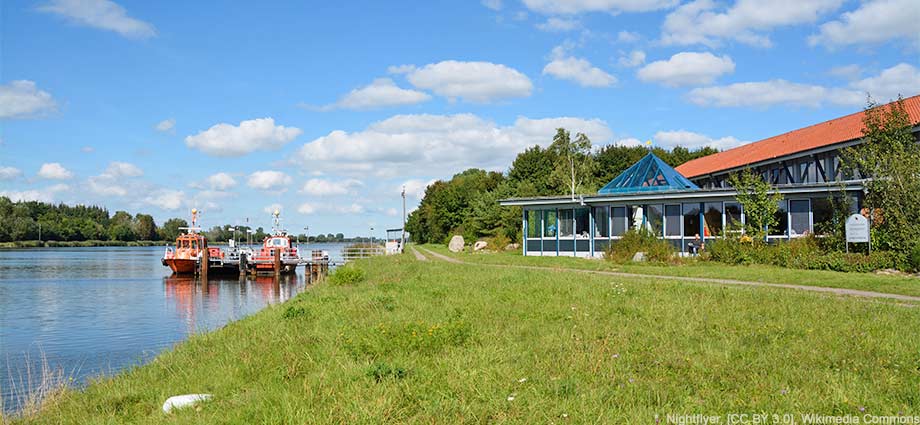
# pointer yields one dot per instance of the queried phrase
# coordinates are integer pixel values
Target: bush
(915, 258)
(295, 312)
(497, 243)
(635, 241)
(348, 274)
(380, 371)
(800, 253)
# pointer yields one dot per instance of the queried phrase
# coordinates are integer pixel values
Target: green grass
(692, 268)
(435, 342)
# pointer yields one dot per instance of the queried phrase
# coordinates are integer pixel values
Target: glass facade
(692, 220)
(534, 223)
(566, 223)
(602, 222)
(654, 219)
(672, 220)
(800, 216)
(582, 224)
(822, 211)
(733, 223)
(618, 226)
(549, 224)
(712, 213)
(782, 221)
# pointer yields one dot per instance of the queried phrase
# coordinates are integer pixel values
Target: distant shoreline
(77, 244)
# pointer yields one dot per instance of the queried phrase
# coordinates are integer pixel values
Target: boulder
(456, 244)
(639, 257)
(480, 245)
(182, 401)
(513, 247)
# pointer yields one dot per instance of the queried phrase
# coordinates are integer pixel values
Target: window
(733, 217)
(799, 212)
(782, 221)
(566, 223)
(602, 222)
(823, 215)
(691, 220)
(582, 224)
(712, 213)
(533, 223)
(672, 220)
(633, 214)
(654, 221)
(619, 221)
(549, 224)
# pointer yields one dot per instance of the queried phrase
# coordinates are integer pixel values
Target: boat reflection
(224, 298)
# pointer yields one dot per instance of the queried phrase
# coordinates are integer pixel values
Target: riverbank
(437, 342)
(77, 244)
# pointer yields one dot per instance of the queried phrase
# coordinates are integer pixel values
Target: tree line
(467, 204)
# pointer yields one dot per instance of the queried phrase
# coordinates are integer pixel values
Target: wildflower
(522, 380)
(862, 408)
(615, 356)
(565, 415)
(631, 380)
(783, 391)
(511, 397)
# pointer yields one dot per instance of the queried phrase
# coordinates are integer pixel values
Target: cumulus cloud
(557, 24)
(166, 125)
(47, 194)
(874, 21)
(101, 14)
(221, 181)
(306, 208)
(382, 92)
(899, 79)
(114, 180)
(227, 140)
(478, 82)
(438, 143)
(691, 140)
(118, 169)
(54, 171)
(416, 188)
(634, 59)
(322, 187)
(848, 72)
(565, 67)
(166, 199)
(493, 4)
(627, 36)
(551, 7)
(9, 173)
(269, 180)
(687, 68)
(22, 99)
(746, 21)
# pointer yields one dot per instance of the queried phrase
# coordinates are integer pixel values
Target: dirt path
(834, 291)
(418, 255)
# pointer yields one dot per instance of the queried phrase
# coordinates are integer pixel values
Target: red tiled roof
(831, 132)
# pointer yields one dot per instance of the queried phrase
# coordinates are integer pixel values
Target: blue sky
(326, 111)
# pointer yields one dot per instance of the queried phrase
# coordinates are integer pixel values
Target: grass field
(903, 285)
(435, 342)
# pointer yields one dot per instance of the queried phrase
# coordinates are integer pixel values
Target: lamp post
(372, 235)
(402, 237)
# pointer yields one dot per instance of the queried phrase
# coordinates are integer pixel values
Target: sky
(325, 111)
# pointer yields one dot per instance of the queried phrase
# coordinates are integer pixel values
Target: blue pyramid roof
(649, 174)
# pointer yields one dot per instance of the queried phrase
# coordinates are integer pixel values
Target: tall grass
(32, 387)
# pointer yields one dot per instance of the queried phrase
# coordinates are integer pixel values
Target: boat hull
(181, 265)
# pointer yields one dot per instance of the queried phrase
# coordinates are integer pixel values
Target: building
(694, 200)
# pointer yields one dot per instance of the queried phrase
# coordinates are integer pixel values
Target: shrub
(635, 241)
(497, 243)
(348, 274)
(915, 257)
(380, 371)
(800, 253)
(295, 312)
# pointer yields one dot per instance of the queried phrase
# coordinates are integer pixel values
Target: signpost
(857, 230)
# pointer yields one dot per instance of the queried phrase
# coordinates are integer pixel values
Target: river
(92, 311)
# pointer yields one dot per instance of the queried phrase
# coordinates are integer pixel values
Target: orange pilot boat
(289, 258)
(188, 251)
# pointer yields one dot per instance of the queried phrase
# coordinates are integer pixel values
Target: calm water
(92, 311)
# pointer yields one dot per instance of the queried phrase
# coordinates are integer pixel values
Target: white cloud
(629, 142)
(627, 36)
(114, 180)
(106, 186)
(47, 194)
(479, 82)
(166, 125)
(847, 72)
(687, 68)
(634, 59)
(691, 140)
(23, 99)
(118, 169)
(400, 69)
(875, 21)
(269, 180)
(416, 188)
(221, 181)
(746, 21)
(166, 199)
(54, 171)
(250, 136)
(321, 187)
(102, 14)
(565, 67)
(557, 24)
(439, 144)
(382, 92)
(493, 4)
(552, 7)
(306, 208)
(9, 173)
(900, 79)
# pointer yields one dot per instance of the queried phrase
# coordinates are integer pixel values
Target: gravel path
(418, 255)
(834, 291)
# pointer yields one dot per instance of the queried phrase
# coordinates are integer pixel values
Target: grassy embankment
(435, 342)
(892, 284)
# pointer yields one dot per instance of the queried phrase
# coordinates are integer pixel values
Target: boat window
(276, 242)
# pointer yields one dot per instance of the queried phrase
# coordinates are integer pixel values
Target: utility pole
(39, 231)
(402, 238)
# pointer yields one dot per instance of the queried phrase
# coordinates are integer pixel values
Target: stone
(456, 244)
(639, 257)
(513, 247)
(480, 245)
(182, 401)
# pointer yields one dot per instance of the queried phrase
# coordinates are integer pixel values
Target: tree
(576, 162)
(145, 227)
(759, 201)
(889, 158)
(171, 229)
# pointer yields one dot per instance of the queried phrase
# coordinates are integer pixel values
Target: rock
(480, 245)
(513, 247)
(456, 244)
(182, 401)
(639, 257)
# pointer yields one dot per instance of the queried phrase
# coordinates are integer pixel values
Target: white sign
(857, 228)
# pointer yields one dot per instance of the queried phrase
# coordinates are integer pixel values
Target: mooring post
(204, 264)
(277, 262)
(243, 264)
